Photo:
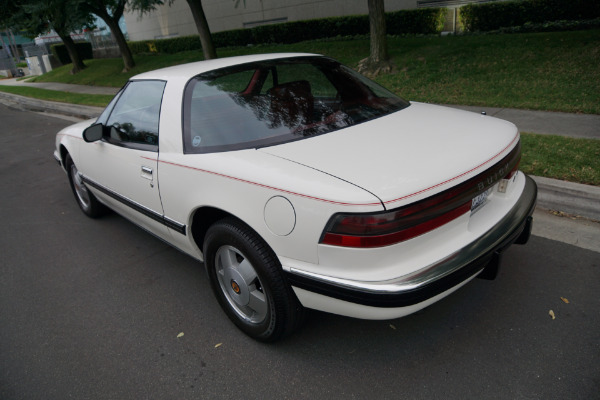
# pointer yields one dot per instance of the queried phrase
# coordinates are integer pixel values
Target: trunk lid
(408, 155)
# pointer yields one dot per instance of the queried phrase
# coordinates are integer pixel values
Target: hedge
(552, 26)
(84, 49)
(419, 21)
(503, 14)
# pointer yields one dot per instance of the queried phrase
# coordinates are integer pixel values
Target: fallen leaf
(552, 314)
(218, 345)
(180, 334)
(565, 300)
(393, 327)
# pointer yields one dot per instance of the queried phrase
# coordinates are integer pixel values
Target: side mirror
(93, 133)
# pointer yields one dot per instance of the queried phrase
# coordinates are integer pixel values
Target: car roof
(187, 71)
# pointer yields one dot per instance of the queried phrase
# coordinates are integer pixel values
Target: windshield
(277, 101)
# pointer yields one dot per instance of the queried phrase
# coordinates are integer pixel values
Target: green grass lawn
(567, 159)
(542, 71)
(555, 71)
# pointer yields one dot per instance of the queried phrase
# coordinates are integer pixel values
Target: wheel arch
(204, 217)
(63, 155)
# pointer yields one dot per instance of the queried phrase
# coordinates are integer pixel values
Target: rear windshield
(277, 101)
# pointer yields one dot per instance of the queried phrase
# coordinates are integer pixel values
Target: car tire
(85, 199)
(249, 283)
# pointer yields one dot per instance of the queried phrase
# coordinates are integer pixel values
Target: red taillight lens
(395, 226)
(363, 232)
(515, 169)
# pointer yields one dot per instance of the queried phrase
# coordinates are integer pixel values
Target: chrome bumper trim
(434, 279)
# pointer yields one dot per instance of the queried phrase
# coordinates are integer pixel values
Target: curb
(29, 104)
(568, 197)
(553, 194)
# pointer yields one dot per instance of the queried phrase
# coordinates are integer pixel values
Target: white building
(223, 15)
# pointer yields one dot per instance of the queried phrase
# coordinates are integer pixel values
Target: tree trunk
(13, 44)
(115, 29)
(78, 64)
(378, 61)
(377, 30)
(8, 48)
(202, 25)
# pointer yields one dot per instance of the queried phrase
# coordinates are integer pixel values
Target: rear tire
(85, 199)
(248, 281)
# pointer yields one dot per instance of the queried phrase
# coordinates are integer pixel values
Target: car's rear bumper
(417, 290)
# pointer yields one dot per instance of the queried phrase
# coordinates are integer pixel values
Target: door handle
(146, 173)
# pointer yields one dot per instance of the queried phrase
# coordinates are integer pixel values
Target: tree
(378, 61)
(111, 11)
(39, 16)
(208, 49)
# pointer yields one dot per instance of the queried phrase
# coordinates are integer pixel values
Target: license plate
(479, 201)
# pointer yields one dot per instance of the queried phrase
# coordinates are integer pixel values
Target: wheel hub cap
(235, 287)
(238, 291)
(240, 284)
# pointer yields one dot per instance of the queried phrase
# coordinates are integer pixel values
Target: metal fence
(32, 50)
(101, 40)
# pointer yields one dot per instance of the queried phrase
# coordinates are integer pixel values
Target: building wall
(222, 15)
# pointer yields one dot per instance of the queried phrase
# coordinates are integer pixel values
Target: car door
(121, 168)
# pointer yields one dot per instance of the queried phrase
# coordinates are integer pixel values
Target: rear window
(277, 101)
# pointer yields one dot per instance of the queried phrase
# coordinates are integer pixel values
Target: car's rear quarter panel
(240, 183)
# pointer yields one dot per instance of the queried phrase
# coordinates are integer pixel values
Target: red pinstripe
(337, 202)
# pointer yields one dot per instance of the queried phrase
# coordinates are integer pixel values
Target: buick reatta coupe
(301, 184)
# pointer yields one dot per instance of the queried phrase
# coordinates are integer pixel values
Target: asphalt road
(91, 309)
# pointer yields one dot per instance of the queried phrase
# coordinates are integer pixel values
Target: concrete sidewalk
(545, 122)
(567, 197)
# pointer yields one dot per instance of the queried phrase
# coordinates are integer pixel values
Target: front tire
(248, 282)
(85, 199)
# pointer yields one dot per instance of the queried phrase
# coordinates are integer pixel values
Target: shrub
(493, 16)
(84, 49)
(177, 44)
(141, 46)
(553, 26)
(236, 37)
(421, 20)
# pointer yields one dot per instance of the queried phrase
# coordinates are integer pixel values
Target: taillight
(504, 182)
(514, 170)
(390, 227)
(387, 228)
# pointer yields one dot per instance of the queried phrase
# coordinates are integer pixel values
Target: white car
(301, 184)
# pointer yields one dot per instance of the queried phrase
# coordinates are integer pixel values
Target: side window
(106, 113)
(135, 117)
